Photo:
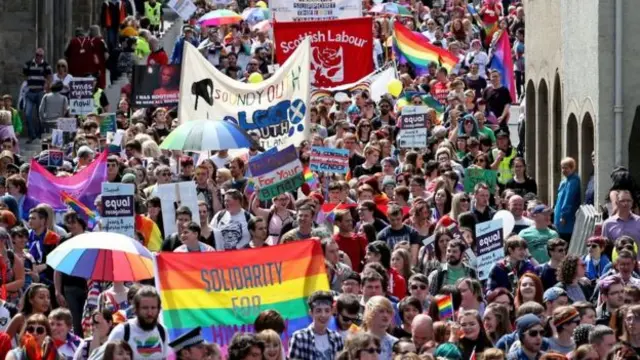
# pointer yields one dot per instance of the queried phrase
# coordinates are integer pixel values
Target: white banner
(275, 109)
(315, 10)
(184, 8)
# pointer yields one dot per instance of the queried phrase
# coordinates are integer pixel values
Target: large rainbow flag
(413, 48)
(502, 62)
(83, 187)
(223, 292)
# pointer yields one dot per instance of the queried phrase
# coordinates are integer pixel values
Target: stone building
(575, 103)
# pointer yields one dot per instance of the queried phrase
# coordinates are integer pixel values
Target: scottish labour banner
(275, 109)
(341, 50)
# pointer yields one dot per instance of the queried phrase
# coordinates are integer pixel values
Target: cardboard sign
(474, 176)
(118, 208)
(329, 160)
(184, 8)
(489, 246)
(68, 124)
(413, 132)
(173, 196)
(81, 96)
(275, 174)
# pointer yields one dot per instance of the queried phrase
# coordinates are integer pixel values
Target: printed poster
(174, 195)
(118, 208)
(81, 96)
(329, 160)
(274, 109)
(275, 174)
(315, 10)
(341, 50)
(156, 86)
(489, 246)
(413, 131)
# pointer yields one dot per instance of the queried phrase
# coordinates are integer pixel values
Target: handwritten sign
(81, 96)
(474, 176)
(413, 132)
(276, 174)
(118, 208)
(489, 246)
(329, 160)
(68, 124)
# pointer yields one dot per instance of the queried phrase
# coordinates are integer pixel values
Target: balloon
(261, 4)
(395, 87)
(508, 221)
(255, 78)
(401, 103)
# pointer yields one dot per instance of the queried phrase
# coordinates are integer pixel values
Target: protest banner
(275, 109)
(275, 174)
(155, 85)
(489, 246)
(108, 123)
(329, 160)
(184, 8)
(118, 208)
(314, 10)
(223, 292)
(68, 124)
(413, 129)
(174, 195)
(341, 50)
(375, 83)
(81, 96)
(474, 176)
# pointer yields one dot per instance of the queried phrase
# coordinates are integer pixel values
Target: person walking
(38, 75)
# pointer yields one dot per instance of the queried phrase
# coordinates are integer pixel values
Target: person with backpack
(144, 334)
(230, 225)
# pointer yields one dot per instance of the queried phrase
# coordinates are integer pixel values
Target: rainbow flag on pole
(223, 292)
(445, 307)
(413, 48)
(501, 61)
(83, 211)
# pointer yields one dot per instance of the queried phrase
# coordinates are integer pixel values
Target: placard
(275, 174)
(489, 246)
(56, 158)
(174, 195)
(315, 10)
(155, 85)
(413, 131)
(108, 124)
(329, 160)
(81, 96)
(68, 124)
(475, 175)
(57, 138)
(184, 8)
(118, 208)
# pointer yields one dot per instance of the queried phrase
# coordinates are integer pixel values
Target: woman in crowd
(496, 322)
(408, 308)
(35, 300)
(529, 288)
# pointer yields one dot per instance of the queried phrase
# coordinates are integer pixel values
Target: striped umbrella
(202, 135)
(220, 17)
(390, 9)
(103, 256)
(255, 15)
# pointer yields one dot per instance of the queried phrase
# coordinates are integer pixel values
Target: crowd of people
(386, 287)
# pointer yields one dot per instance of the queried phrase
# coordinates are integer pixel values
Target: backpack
(127, 332)
(221, 214)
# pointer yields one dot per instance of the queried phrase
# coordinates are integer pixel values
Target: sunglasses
(372, 351)
(535, 333)
(349, 319)
(165, 174)
(464, 200)
(593, 246)
(416, 287)
(39, 330)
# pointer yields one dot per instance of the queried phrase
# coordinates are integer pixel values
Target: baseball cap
(502, 132)
(553, 293)
(540, 209)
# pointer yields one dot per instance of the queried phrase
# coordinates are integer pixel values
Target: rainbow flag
(87, 214)
(489, 31)
(445, 307)
(415, 49)
(223, 292)
(150, 232)
(84, 186)
(309, 178)
(501, 61)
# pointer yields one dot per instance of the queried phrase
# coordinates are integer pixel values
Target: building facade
(571, 86)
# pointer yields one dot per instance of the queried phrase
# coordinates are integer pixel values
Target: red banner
(341, 50)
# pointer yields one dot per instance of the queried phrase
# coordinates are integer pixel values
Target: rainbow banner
(502, 62)
(445, 307)
(81, 189)
(223, 292)
(414, 48)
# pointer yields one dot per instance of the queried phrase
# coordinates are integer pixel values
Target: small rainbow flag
(150, 232)
(83, 211)
(445, 307)
(309, 178)
(223, 292)
(412, 47)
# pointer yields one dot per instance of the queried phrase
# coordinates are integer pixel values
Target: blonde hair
(151, 149)
(270, 336)
(51, 216)
(373, 306)
(569, 161)
(5, 117)
(141, 137)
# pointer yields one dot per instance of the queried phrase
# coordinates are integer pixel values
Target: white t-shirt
(146, 345)
(230, 231)
(220, 162)
(323, 346)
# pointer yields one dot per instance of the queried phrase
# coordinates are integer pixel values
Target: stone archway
(572, 138)
(587, 135)
(556, 128)
(542, 144)
(530, 128)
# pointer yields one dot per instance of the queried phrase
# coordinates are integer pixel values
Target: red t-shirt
(355, 247)
(397, 284)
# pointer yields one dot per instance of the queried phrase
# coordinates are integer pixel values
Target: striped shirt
(36, 74)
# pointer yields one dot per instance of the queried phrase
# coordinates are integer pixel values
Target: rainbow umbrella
(202, 135)
(220, 17)
(390, 9)
(103, 256)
